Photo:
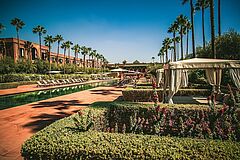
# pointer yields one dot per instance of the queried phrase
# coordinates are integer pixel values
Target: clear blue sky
(119, 29)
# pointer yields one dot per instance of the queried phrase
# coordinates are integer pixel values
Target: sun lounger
(40, 84)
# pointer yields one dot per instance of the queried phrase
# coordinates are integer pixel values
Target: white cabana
(176, 72)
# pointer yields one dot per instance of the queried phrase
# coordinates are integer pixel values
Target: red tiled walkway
(19, 123)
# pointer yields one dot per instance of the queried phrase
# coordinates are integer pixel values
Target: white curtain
(214, 77)
(184, 78)
(235, 75)
(159, 78)
(175, 82)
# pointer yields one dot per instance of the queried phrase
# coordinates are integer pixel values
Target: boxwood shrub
(145, 95)
(114, 134)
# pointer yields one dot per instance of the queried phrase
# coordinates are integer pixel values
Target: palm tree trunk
(187, 44)
(69, 60)
(219, 18)
(166, 55)
(212, 28)
(18, 43)
(181, 36)
(203, 30)
(58, 51)
(174, 47)
(49, 58)
(84, 63)
(64, 60)
(192, 21)
(40, 42)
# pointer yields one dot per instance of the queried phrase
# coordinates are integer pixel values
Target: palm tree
(97, 57)
(84, 53)
(219, 18)
(58, 39)
(153, 58)
(181, 21)
(64, 47)
(28, 47)
(18, 23)
(76, 48)
(2, 27)
(177, 40)
(89, 49)
(93, 54)
(173, 29)
(188, 27)
(161, 54)
(68, 46)
(166, 44)
(212, 28)
(40, 30)
(48, 41)
(202, 5)
(192, 22)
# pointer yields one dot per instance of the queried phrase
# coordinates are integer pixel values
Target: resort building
(31, 51)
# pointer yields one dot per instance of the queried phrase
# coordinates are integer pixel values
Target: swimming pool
(29, 97)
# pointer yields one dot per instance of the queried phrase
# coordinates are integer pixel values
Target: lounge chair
(68, 81)
(40, 84)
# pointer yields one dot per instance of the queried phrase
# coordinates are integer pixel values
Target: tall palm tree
(58, 39)
(92, 54)
(219, 18)
(64, 47)
(76, 48)
(166, 44)
(68, 46)
(28, 47)
(2, 27)
(84, 53)
(101, 58)
(40, 30)
(161, 54)
(192, 22)
(202, 5)
(212, 28)
(89, 49)
(173, 29)
(18, 23)
(181, 21)
(188, 27)
(48, 42)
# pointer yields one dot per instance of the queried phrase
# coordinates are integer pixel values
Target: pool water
(29, 97)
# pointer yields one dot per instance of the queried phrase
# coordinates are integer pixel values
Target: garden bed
(112, 130)
(145, 95)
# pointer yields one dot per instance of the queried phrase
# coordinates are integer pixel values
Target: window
(21, 52)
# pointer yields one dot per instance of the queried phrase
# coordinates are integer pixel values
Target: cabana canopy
(176, 73)
(119, 70)
(204, 63)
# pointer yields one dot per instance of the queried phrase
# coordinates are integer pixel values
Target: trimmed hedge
(65, 138)
(15, 84)
(145, 95)
(5, 78)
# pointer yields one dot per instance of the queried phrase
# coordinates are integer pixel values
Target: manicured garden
(125, 130)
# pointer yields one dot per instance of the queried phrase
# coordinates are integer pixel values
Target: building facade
(31, 51)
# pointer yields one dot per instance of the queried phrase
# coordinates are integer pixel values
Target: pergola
(175, 73)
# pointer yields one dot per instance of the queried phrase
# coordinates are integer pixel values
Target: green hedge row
(5, 78)
(145, 95)
(94, 133)
(15, 84)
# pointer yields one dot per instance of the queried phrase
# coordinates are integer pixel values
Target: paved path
(19, 123)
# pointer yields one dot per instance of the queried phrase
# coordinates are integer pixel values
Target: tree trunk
(18, 43)
(192, 21)
(84, 63)
(212, 28)
(64, 60)
(203, 29)
(174, 47)
(187, 44)
(49, 58)
(181, 36)
(219, 18)
(40, 46)
(166, 55)
(58, 51)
